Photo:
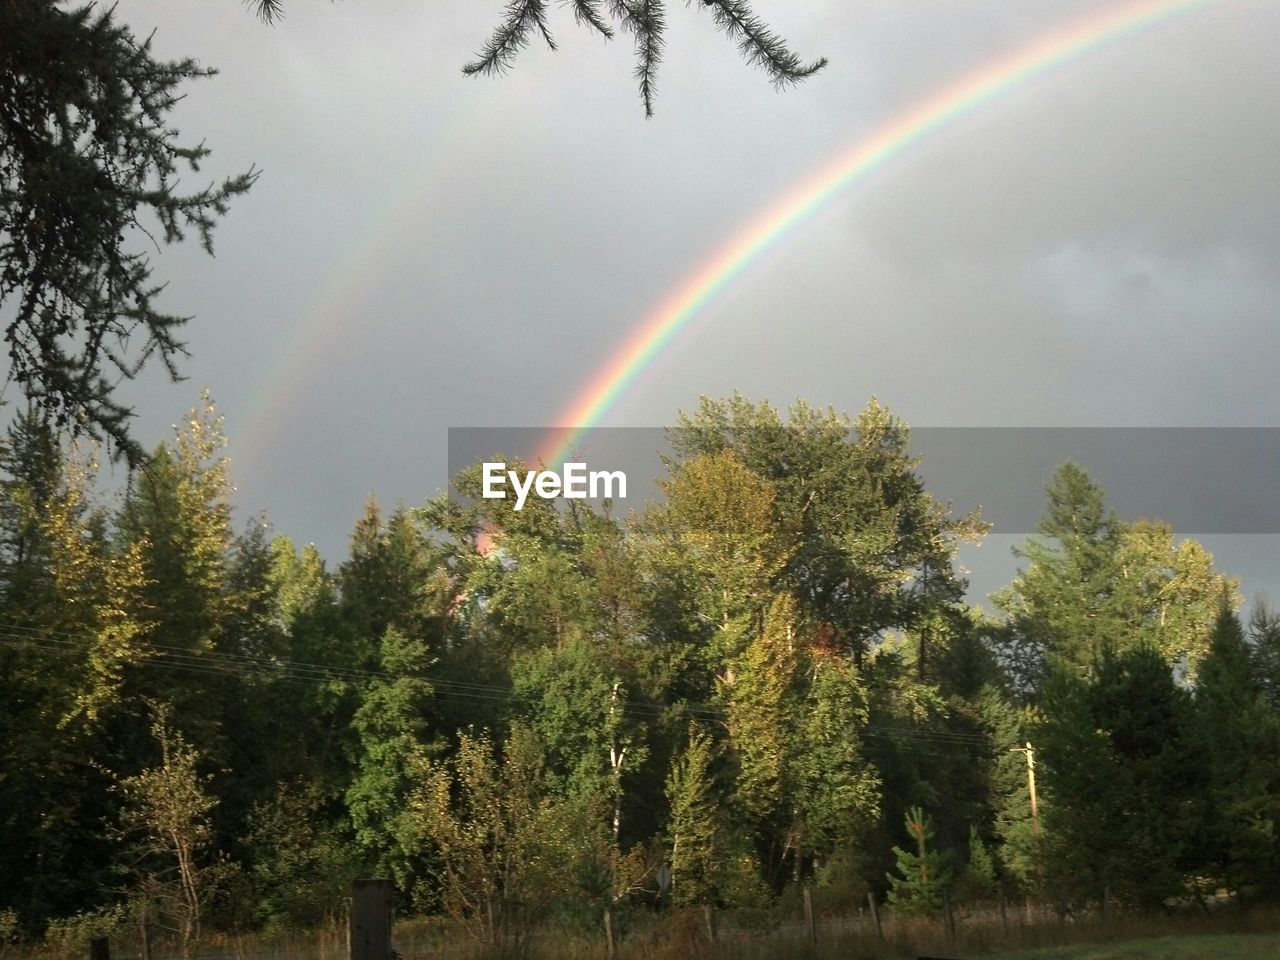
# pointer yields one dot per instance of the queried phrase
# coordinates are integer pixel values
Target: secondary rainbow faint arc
(971, 92)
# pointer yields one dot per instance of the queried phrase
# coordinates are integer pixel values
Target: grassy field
(1186, 937)
(1226, 946)
(681, 936)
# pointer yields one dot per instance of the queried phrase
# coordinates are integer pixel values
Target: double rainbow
(993, 81)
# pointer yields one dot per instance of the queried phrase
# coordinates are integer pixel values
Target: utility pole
(1031, 784)
(1030, 753)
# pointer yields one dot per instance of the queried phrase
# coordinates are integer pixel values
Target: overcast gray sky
(1099, 246)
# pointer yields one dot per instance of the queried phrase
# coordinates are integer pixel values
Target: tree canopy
(765, 687)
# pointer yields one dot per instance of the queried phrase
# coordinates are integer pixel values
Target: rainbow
(643, 347)
(338, 302)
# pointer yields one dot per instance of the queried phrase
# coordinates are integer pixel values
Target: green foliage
(1118, 776)
(978, 881)
(744, 891)
(393, 729)
(1264, 638)
(578, 707)
(696, 831)
(1096, 585)
(71, 936)
(856, 525)
(719, 532)
(505, 843)
(71, 629)
(166, 816)
(1235, 741)
(753, 682)
(757, 695)
(303, 862)
(836, 791)
(922, 872)
(1019, 852)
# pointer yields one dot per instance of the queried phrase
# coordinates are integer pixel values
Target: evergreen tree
(1236, 741)
(69, 633)
(1019, 853)
(392, 579)
(1264, 638)
(922, 872)
(979, 880)
(394, 730)
(645, 20)
(835, 795)
(1119, 777)
(1096, 585)
(88, 154)
(1060, 605)
(177, 516)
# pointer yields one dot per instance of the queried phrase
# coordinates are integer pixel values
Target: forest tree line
(765, 686)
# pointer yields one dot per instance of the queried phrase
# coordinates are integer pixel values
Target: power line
(276, 669)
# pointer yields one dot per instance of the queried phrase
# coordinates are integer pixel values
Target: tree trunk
(875, 914)
(608, 930)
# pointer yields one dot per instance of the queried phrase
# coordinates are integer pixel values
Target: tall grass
(681, 936)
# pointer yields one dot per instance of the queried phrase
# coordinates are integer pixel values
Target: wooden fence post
(1004, 913)
(144, 932)
(948, 917)
(875, 914)
(369, 927)
(809, 921)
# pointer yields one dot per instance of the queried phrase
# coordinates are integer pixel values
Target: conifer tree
(69, 632)
(393, 725)
(177, 516)
(645, 20)
(1264, 638)
(1235, 737)
(922, 872)
(979, 880)
(1118, 777)
(1095, 585)
(89, 165)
